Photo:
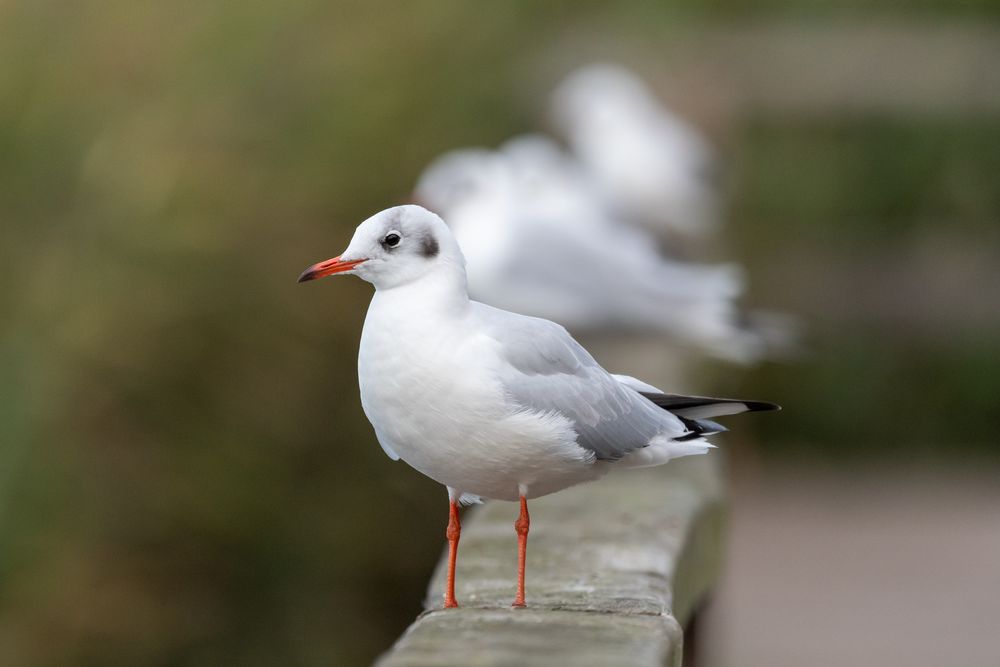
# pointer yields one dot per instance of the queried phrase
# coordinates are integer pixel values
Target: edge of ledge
(615, 568)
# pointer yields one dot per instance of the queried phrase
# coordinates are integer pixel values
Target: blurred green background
(186, 476)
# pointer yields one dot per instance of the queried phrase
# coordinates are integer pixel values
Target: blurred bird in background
(566, 236)
(651, 166)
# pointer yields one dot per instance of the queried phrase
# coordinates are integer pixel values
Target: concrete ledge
(615, 569)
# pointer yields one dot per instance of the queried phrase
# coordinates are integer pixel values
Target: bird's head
(600, 96)
(395, 247)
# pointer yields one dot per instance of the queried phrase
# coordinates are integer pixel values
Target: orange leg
(453, 532)
(521, 526)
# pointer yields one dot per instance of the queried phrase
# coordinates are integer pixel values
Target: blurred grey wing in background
(540, 241)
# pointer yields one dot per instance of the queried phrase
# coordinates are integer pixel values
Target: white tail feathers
(661, 450)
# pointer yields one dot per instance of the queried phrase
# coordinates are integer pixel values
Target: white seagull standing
(489, 403)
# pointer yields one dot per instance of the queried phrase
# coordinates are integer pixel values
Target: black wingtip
(761, 406)
(679, 402)
(699, 428)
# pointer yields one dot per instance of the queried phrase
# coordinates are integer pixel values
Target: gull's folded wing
(544, 370)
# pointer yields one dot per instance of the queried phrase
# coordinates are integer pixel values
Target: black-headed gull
(651, 165)
(490, 403)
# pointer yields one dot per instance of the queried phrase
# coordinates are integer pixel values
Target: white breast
(429, 388)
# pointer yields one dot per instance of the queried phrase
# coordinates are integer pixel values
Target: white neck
(442, 291)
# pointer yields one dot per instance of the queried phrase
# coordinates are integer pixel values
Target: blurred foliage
(868, 178)
(186, 475)
(877, 204)
(873, 395)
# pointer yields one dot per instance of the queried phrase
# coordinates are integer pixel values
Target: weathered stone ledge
(615, 570)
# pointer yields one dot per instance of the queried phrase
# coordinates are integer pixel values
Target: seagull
(540, 242)
(490, 403)
(649, 163)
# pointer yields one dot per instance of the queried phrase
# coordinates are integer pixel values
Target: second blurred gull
(539, 241)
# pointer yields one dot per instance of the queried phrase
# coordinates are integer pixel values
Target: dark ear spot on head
(429, 247)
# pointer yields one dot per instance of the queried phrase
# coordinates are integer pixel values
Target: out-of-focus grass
(866, 179)
(186, 475)
(849, 210)
(878, 395)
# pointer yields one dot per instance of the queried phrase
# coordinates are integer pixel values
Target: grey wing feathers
(693, 410)
(548, 371)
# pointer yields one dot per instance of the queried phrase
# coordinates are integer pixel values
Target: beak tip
(328, 268)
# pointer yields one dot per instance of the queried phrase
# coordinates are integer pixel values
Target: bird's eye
(392, 239)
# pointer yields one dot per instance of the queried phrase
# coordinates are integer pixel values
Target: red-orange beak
(328, 268)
